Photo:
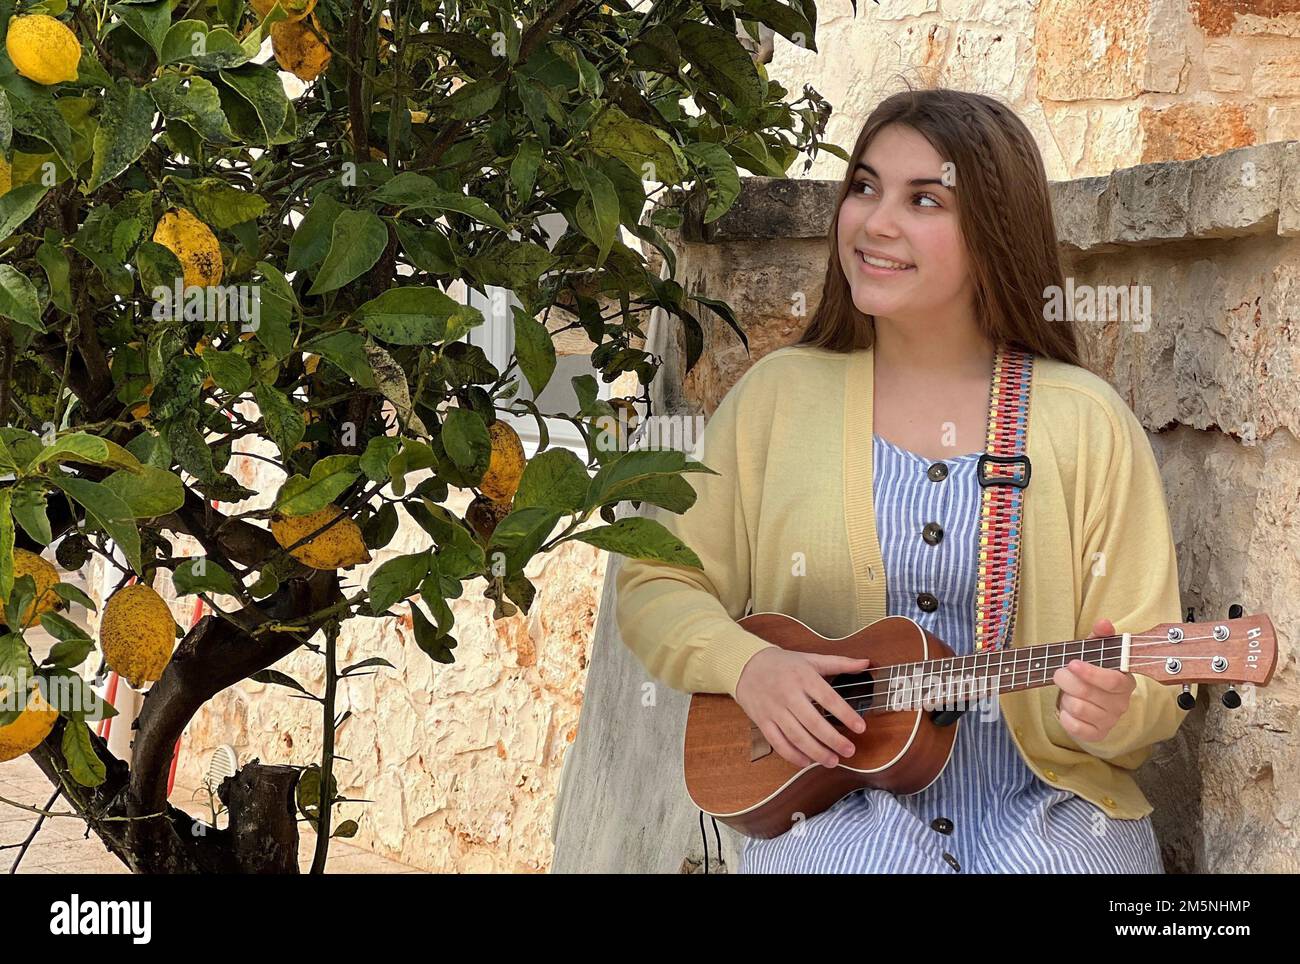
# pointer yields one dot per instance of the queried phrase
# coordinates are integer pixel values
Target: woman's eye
(860, 186)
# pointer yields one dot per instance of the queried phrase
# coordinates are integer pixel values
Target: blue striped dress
(987, 812)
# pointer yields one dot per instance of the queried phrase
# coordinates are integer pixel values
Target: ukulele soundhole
(859, 690)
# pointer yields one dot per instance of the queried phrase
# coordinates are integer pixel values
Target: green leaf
(722, 62)
(357, 241)
(535, 349)
(643, 148)
(108, 512)
(397, 579)
(201, 574)
(51, 257)
(466, 438)
(81, 704)
(514, 264)
(68, 653)
(437, 646)
(262, 88)
(379, 452)
(61, 627)
(518, 536)
(149, 21)
(124, 133)
(426, 248)
(553, 479)
(192, 42)
(150, 492)
(721, 169)
(228, 370)
(189, 448)
(523, 169)
(639, 538)
(84, 447)
(29, 511)
(409, 315)
(474, 99)
(411, 190)
(83, 763)
(194, 101)
(597, 212)
(285, 425)
(347, 350)
(329, 477)
(17, 205)
(311, 241)
(71, 594)
(619, 475)
(276, 678)
(18, 299)
(221, 205)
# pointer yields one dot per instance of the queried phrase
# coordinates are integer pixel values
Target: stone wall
(1103, 84)
(1212, 374)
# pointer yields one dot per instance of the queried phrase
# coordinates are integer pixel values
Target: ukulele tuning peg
(1235, 611)
(1185, 699)
(1231, 698)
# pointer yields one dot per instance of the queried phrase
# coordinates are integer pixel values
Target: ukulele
(913, 693)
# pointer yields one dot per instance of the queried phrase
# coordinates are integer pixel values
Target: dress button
(937, 472)
(941, 824)
(927, 602)
(932, 533)
(1050, 774)
(1108, 801)
(952, 861)
(1020, 734)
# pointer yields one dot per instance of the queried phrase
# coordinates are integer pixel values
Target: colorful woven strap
(1003, 473)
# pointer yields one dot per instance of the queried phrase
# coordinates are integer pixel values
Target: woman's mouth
(882, 267)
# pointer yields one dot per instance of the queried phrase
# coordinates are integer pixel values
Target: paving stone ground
(62, 846)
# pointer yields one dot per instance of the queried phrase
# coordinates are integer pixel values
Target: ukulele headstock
(1238, 651)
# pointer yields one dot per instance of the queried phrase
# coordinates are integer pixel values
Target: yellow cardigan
(789, 524)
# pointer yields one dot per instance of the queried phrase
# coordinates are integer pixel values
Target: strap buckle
(1019, 480)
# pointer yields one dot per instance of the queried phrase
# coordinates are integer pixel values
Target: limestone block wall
(1211, 371)
(1103, 84)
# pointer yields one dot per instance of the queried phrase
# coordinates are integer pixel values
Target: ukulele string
(1022, 658)
(969, 695)
(855, 701)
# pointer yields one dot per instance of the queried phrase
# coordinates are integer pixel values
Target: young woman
(943, 249)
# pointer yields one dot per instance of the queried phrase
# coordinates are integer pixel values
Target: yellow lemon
(43, 49)
(298, 50)
(338, 547)
(30, 729)
(507, 464)
(194, 245)
(137, 634)
(46, 576)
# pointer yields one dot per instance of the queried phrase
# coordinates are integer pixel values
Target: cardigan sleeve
(1130, 576)
(681, 621)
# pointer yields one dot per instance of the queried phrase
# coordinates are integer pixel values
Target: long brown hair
(1004, 211)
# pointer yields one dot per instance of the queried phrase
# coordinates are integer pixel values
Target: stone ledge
(1147, 204)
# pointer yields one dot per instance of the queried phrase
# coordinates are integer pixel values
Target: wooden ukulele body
(733, 774)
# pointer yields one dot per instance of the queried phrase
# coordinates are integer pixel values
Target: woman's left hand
(1092, 698)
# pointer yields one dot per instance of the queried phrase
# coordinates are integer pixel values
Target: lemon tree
(228, 230)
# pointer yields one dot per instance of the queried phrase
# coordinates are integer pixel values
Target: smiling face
(915, 224)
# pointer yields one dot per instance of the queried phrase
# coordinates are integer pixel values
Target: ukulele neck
(979, 675)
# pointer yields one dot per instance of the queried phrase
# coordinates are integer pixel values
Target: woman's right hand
(784, 692)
